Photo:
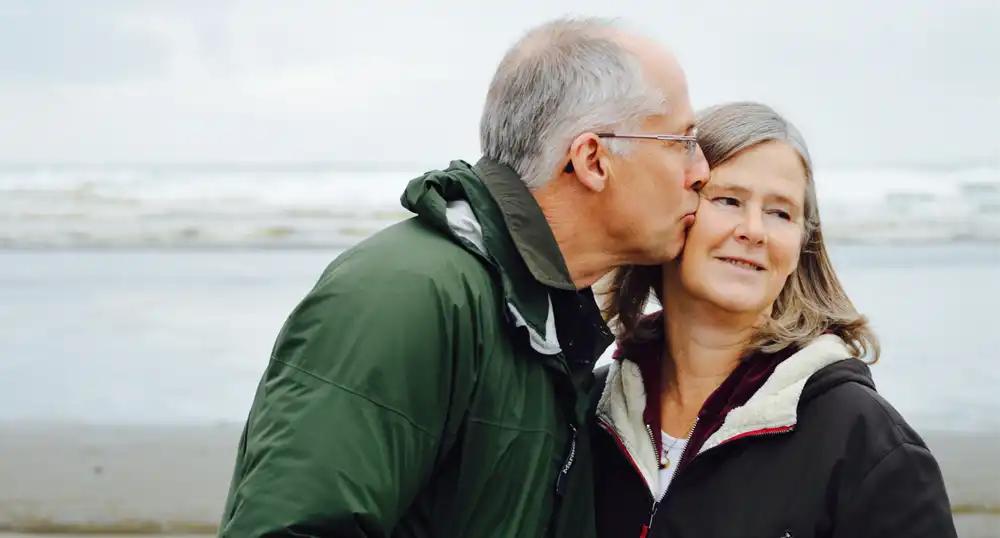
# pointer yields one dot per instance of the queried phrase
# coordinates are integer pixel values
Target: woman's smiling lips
(742, 263)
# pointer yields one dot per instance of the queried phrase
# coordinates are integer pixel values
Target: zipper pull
(649, 525)
(568, 464)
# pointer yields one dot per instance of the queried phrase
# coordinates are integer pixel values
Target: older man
(433, 383)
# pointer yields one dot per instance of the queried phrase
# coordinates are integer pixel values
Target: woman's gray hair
(737, 126)
(561, 79)
(812, 302)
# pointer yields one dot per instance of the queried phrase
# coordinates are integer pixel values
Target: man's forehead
(678, 105)
(665, 74)
(660, 67)
(680, 120)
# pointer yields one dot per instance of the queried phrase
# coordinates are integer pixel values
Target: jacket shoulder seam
(889, 453)
(870, 395)
(353, 392)
(898, 424)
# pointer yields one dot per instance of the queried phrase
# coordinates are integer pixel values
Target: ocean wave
(312, 205)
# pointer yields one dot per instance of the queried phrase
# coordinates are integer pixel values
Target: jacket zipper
(610, 430)
(656, 503)
(688, 444)
(684, 452)
(644, 532)
(649, 430)
(568, 464)
(649, 525)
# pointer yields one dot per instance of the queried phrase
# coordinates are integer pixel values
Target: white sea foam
(326, 206)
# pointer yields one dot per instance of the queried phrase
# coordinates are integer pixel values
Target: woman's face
(748, 233)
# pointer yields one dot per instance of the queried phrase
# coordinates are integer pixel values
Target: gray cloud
(900, 82)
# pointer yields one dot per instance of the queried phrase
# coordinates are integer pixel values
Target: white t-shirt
(673, 448)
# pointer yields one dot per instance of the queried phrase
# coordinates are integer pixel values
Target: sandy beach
(172, 480)
(69, 478)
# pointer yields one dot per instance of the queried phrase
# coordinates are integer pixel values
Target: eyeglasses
(690, 141)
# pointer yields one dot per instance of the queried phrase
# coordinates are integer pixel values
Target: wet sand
(172, 480)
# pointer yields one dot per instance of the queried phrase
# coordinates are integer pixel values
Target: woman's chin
(737, 301)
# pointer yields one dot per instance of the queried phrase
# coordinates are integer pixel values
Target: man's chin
(677, 248)
(667, 253)
(660, 252)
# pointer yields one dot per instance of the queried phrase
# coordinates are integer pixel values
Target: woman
(743, 408)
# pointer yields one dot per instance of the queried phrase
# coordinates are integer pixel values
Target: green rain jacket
(420, 389)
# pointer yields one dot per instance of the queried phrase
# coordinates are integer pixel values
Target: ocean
(139, 304)
(141, 293)
(147, 336)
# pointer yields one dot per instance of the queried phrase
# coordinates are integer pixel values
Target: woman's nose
(751, 228)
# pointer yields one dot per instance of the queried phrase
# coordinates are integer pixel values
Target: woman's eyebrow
(747, 193)
(785, 200)
(728, 187)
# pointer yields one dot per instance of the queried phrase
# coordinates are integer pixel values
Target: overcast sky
(890, 82)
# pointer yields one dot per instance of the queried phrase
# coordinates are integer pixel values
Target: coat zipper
(606, 426)
(656, 503)
(644, 532)
(684, 453)
(568, 464)
(652, 440)
(610, 431)
(649, 525)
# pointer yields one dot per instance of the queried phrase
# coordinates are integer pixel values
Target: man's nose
(697, 174)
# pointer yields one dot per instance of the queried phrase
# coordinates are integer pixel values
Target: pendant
(664, 461)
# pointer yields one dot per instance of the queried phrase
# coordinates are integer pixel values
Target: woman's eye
(781, 214)
(726, 200)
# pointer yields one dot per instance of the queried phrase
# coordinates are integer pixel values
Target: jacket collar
(760, 397)
(526, 224)
(507, 230)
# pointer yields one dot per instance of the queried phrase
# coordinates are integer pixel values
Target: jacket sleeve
(349, 417)
(902, 495)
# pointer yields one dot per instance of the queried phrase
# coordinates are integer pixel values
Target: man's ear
(589, 161)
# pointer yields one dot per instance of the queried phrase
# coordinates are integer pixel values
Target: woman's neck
(703, 346)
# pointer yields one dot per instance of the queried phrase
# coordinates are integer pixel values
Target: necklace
(664, 457)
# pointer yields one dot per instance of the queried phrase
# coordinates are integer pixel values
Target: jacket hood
(836, 374)
(460, 202)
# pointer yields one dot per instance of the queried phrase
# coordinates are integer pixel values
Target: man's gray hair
(562, 79)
